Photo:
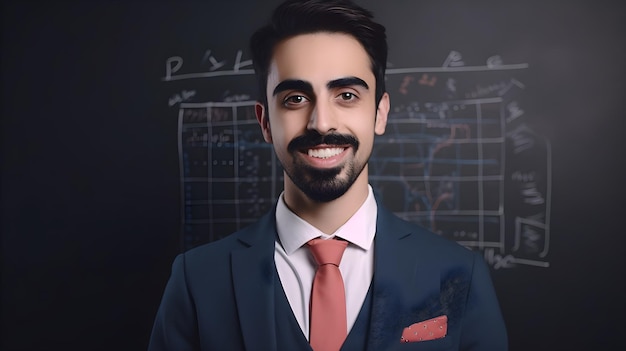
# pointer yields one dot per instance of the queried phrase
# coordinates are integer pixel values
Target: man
(320, 66)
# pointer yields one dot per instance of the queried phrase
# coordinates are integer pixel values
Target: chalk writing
(451, 87)
(531, 195)
(498, 261)
(451, 131)
(514, 111)
(494, 61)
(427, 79)
(174, 64)
(236, 97)
(215, 65)
(523, 176)
(239, 64)
(183, 96)
(404, 88)
(531, 236)
(454, 59)
(522, 138)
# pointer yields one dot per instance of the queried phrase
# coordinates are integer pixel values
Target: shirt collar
(359, 230)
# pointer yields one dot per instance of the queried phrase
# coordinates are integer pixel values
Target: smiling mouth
(325, 152)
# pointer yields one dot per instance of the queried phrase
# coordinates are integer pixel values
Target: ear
(381, 115)
(263, 118)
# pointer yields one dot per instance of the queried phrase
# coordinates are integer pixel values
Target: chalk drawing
(457, 156)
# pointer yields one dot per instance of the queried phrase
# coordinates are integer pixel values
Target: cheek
(289, 124)
(366, 143)
(282, 133)
(365, 132)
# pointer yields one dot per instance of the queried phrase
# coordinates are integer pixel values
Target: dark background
(90, 177)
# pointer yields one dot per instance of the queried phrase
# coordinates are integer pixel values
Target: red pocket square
(435, 328)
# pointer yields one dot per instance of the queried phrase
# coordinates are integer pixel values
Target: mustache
(313, 138)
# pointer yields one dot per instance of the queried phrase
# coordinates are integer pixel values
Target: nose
(323, 118)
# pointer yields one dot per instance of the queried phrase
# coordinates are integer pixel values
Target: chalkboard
(128, 136)
(457, 158)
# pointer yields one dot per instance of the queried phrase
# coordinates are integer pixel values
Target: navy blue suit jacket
(220, 296)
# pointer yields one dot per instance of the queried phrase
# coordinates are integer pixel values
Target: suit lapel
(253, 272)
(402, 283)
(404, 289)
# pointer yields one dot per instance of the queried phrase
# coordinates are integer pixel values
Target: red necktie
(328, 296)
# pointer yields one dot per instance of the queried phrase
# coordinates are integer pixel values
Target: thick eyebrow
(304, 86)
(346, 82)
(293, 84)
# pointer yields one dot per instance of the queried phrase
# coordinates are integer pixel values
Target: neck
(327, 216)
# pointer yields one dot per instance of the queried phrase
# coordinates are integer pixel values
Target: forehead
(319, 58)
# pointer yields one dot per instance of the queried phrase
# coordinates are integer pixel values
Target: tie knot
(327, 251)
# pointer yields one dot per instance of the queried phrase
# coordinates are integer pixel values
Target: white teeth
(325, 153)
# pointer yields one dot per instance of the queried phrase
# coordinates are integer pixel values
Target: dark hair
(295, 17)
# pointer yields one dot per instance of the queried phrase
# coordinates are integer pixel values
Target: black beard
(321, 185)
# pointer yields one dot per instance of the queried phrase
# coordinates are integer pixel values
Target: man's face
(321, 114)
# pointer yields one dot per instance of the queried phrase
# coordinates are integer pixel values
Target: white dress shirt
(296, 266)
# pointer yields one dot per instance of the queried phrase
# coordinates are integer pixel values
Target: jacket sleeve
(175, 327)
(483, 326)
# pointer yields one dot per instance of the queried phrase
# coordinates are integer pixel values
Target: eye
(347, 96)
(294, 100)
